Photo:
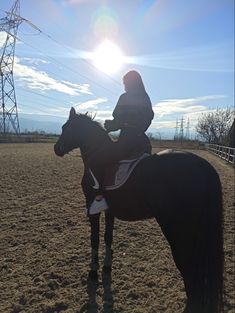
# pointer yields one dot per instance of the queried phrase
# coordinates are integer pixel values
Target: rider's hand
(107, 124)
(110, 125)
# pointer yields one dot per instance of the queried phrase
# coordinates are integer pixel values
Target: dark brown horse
(182, 191)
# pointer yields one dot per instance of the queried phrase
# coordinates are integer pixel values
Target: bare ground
(45, 251)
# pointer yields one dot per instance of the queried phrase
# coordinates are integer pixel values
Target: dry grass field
(45, 250)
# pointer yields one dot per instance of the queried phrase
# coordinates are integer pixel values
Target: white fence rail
(225, 153)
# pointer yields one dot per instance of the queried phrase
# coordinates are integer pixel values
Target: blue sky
(183, 49)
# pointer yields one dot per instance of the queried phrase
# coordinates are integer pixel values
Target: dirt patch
(45, 250)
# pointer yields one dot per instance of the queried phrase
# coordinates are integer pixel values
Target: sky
(184, 51)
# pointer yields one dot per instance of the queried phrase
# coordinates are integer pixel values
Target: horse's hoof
(107, 269)
(93, 275)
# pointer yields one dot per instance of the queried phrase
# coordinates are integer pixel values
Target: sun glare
(108, 57)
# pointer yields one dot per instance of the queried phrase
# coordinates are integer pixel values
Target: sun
(108, 57)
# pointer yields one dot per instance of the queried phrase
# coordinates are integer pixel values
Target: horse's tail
(214, 250)
(208, 286)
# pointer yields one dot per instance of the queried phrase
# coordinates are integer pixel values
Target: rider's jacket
(133, 109)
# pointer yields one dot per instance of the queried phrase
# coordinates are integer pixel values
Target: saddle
(117, 174)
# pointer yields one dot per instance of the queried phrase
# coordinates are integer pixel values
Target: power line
(69, 49)
(84, 60)
(37, 109)
(40, 94)
(10, 24)
(66, 66)
(36, 101)
(24, 103)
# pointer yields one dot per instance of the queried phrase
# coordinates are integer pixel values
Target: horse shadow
(92, 287)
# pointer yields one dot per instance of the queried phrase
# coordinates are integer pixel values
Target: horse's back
(180, 166)
(174, 179)
(178, 182)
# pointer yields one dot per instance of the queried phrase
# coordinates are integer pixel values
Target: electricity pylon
(181, 133)
(176, 137)
(187, 131)
(9, 121)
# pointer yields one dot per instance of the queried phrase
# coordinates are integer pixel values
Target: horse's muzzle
(58, 149)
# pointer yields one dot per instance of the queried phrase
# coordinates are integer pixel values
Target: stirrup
(97, 207)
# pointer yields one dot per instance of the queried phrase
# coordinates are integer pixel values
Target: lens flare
(108, 57)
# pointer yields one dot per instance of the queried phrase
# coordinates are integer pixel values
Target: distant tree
(214, 126)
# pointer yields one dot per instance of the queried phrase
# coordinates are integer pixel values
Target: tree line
(217, 127)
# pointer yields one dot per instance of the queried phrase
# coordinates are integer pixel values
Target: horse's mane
(94, 125)
(89, 119)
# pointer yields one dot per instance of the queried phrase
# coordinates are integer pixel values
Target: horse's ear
(72, 113)
(93, 116)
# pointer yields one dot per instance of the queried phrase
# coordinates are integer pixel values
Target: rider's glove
(111, 125)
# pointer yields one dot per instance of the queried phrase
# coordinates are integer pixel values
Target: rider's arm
(131, 111)
(117, 122)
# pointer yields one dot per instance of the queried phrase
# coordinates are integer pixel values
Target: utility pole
(9, 121)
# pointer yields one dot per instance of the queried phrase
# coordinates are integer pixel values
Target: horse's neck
(94, 140)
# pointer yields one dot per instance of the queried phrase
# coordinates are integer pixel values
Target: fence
(225, 153)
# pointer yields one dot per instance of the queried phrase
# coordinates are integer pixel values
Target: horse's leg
(94, 220)
(95, 228)
(108, 239)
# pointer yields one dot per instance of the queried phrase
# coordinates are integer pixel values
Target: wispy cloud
(90, 104)
(60, 110)
(163, 124)
(104, 114)
(35, 61)
(84, 88)
(184, 106)
(169, 112)
(35, 79)
(73, 2)
(217, 57)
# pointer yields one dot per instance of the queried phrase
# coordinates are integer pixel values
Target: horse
(182, 191)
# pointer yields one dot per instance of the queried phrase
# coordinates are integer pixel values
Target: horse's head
(69, 138)
(80, 131)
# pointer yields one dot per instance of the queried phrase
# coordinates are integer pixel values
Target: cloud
(35, 79)
(163, 124)
(84, 88)
(104, 114)
(183, 106)
(35, 61)
(90, 104)
(61, 110)
(169, 111)
(73, 2)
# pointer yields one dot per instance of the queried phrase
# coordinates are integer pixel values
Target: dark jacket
(133, 110)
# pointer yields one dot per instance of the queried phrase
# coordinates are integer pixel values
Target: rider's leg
(131, 142)
(97, 164)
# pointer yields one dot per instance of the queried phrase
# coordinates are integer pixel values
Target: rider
(132, 115)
